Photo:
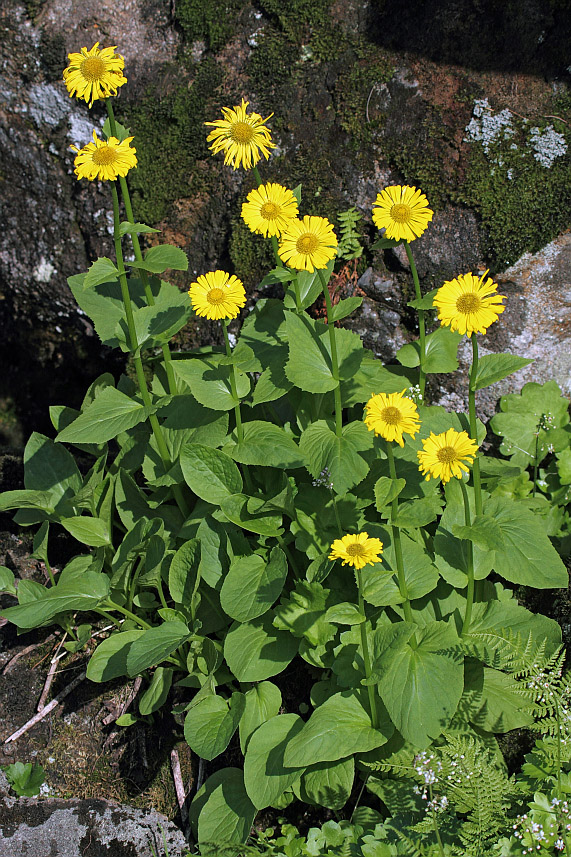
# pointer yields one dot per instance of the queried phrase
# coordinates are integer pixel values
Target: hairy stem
(334, 358)
(233, 387)
(366, 654)
(397, 543)
(473, 428)
(421, 325)
(470, 557)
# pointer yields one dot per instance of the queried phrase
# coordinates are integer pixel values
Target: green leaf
(263, 702)
(22, 499)
(121, 133)
(111, 413)
(209, 382)
(528, 557)
(267, 445)
(344, 614)
(323, 449)
(210, 473)
(84, 593)
(156, 694)
(50, 467)
(440, 352)
(183, 573)
(126, 720)
(163, 256)
(338, 728)
(418, 513)
(494, 701)
(265, 777)
(345, 307)
(385, 244)
(309, 364)
(484, 531)
(302, 613)
(252, 585)
(256, 650)
(420, 686)
(7, 580)
(329, 784)
(101, 271)
(386, 490)
(425, 302)
(25, 779)
(154, 645)
(495, 367)
(221, 810)
(248, 512)
(209, 725)
(127, 228)
(309, 285)
(451, 555)
(88, 531)
(109, 660)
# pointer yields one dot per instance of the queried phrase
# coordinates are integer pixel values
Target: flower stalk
(233, 385)
(473, 425)
(421, 323)
(397, 544)
(334, 358)
(470, 560)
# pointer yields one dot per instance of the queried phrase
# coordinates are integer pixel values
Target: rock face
(360, 101)
(83, 828)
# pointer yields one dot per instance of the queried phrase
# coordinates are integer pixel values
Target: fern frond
(350, 246)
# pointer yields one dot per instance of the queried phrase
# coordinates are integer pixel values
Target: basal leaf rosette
(391, 415)
(269, 209)
(217, 295)
(308, 244)
(357, 550)
(94, 74)
(242, 136)
(469, 304)
(105, 160)
(446, 455)
(402, 211)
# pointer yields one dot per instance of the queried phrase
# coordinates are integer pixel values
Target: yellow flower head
(402, 212)
(391, 415)
(104, 159)
(269, 209)
(94, 74)
(469, 304)
(308, 244)
(217, 295)
(446, 455)
(358, 550)
(241, 136)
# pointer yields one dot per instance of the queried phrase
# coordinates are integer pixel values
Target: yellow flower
(358, 550)
(446, 455)
(391, 415)
(402, 212)
(217, 295)
(308, 244)
(94, 74)
(469, 304)
(241, 136)
(104, 159)
(269, 208)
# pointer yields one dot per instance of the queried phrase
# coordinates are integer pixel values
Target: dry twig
(45, 711)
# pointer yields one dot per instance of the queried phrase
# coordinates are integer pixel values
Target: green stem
(133, 586)
(366, 654)
(109, 618)
(49, 571)
(289, 556)
(139, 255)
(110, 605)
(473, 428)
(337, 518)
(435, 823)
(421, 325)
(334, 358)
(397, 543)
(470, 549)
(535, 463)
(161, 592)
(233, 387)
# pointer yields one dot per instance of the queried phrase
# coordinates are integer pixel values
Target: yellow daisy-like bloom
(308, 244)
(269, 209)
(104, 159)
(402, 211)
(358, 550)
(241, 136)
(469, 304)
(94, 74)
(217, 295)
(391, 415)
(446, 455)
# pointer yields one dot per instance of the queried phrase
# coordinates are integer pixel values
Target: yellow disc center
(92, 68)
(391, 415)
(446, 455)
(215, 296)
(400, 212)
(241, 132)
(269, 210)
(468, 302)
(356, 549)
(104, 155)
(307, 243)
